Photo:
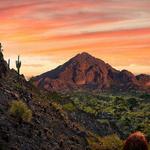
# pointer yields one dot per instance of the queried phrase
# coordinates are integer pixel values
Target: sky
(46, 33)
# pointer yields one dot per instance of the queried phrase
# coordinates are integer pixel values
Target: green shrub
(69, 107)
(18, 86)
(21, 111)
(111, 142)
(145, 96)
(55, 96)
(132, 102)
(89, 109)
(57, 106)
(94, 142)
(103, 121)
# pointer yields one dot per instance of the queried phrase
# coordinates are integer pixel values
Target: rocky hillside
(86, 71)
(3, 65)
(49, 127)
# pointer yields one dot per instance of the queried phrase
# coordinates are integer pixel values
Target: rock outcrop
(3, 64)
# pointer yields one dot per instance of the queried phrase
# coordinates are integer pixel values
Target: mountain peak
(87, 58)
(86, 71)
(83, 55)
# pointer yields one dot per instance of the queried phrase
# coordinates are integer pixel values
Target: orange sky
(47, 33)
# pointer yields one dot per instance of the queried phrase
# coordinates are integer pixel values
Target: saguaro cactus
(18, 65)
(8, 63)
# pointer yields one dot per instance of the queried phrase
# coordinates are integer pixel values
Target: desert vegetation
(21, 111)
(99, 112)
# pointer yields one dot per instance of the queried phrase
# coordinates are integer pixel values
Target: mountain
(85, 71)
(49, 127)
(144, 79)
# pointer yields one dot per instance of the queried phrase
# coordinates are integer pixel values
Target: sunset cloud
(114, 30)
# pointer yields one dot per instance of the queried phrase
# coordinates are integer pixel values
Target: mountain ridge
(85, 71)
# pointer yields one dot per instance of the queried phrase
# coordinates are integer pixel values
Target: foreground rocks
(47, 130)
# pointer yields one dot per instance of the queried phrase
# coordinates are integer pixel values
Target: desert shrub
(145, 96)
(132, 102)
(103, 122)
(55, 96)
(129, 112)
(21, 111)
(147, 130)
(94, 142)
(89, 109)
(56, 105)
(111, 142)
(118, 100)
(69, 107)
(18, 86)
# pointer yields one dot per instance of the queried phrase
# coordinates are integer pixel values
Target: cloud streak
(114, 29)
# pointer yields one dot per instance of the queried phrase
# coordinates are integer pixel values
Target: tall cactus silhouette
(18, 65)
(8, 63)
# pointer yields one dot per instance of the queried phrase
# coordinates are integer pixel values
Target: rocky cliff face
(3, 66)
(86, 71)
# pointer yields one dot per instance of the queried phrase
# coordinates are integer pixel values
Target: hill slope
(49, 128)
(86, 71)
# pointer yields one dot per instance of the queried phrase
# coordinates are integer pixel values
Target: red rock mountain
(144, 79)
(86, 71)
